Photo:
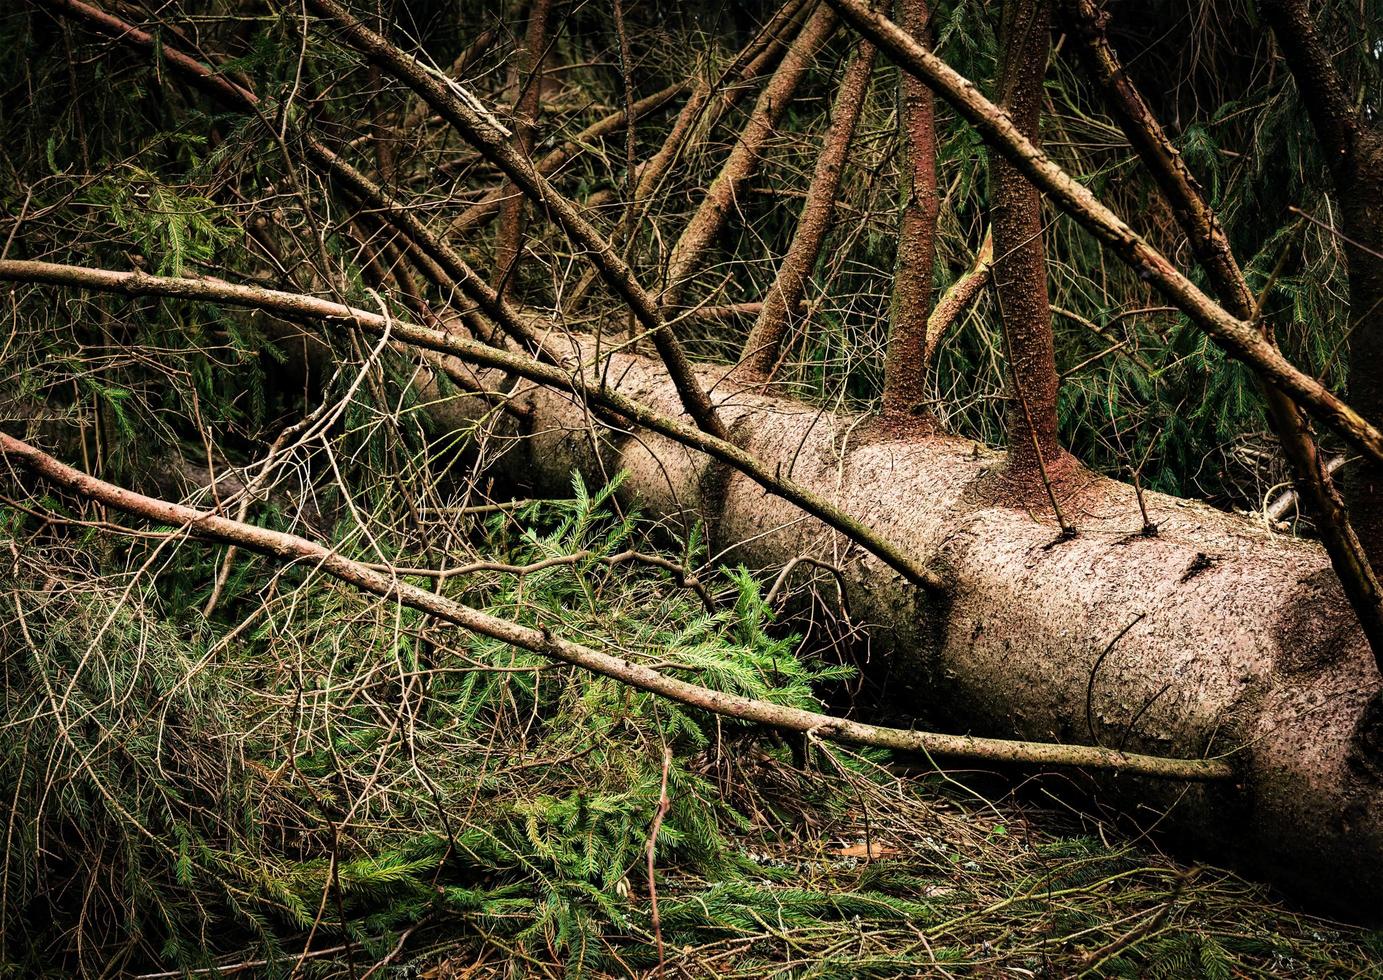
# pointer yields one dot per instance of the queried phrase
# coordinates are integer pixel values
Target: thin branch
(482, 132)
(958, 298)
(555, 159)
(639, 413)
(470, 54)
(703, 110)
(292, 548)
(689, 252)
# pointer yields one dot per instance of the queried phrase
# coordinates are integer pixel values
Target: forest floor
(918, 874)
(346, 792)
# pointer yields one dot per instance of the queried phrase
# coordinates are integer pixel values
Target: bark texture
(1242, 341)
(761, 350)
(1214, 638)
(1236, 638)
(905, 360)
(528, 82)
(1020, 264)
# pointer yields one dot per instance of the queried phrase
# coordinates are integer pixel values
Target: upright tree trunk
(526, 107)
(905, 360)
(1353, 149)
(1361, 200)
(1020, 264)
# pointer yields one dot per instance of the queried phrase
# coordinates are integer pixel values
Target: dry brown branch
(291, 548)
(555, 159)
(958, 298)
(1242, 341)
(470, 54)
(482, 133)
(704, 109)
(689, 253)
(761, 351)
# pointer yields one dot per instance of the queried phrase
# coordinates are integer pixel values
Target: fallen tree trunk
(1210, 637)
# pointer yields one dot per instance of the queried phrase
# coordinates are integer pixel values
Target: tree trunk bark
(1232, 638)
(1211, 247)
(1361, 204)
(1212, 639)
(763, 347)
(905, 358)
(528, 80)
(1020, 263)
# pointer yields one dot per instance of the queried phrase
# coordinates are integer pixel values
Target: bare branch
(598, 394)
(689, 253)
(495, 146)
(555, 159)
(761, 351)
(702, 109)
(958, 297)
(291, 548)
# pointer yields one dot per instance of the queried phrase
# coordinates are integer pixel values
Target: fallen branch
(958, 298)
(463, 348)
(702, 111)
(1283, 505)
(554, 160)
(292, 548)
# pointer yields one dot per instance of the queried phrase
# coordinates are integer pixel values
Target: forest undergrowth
(311, 783)
(215, 765)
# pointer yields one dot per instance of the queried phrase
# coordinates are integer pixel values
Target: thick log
(1212, 637)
